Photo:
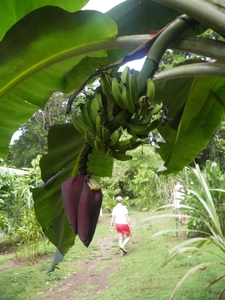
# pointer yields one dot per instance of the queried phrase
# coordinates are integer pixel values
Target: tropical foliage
(58, 46)
(17, 217)
(33, 134)
(15, 195)
(215, 183)
(205, 213)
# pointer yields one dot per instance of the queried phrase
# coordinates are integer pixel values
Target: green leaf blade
(201, 114)
(37, 66)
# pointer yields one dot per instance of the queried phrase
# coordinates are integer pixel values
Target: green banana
(115, 110)
(143, 106)
(135, 118)
(89, 137)
(89, 110)
(117, 92)
(127, 100)
(132, 86)
(143, 130)
(129, 145)
(153, 110)
(106, 84)
(150, 93)
(106, 134)
(95, 106)
(109, 152)
(106, 105)
(119, 120)
(122, 145)
(99, 145)
(125, 144)
(85, 114)
(114, 138)
(98, 97)
(120, 155)
(142, 121)
(98, 123)
(81, 126)
(136, 144)
(125, 75)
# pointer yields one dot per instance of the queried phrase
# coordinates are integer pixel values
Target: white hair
(119, 199)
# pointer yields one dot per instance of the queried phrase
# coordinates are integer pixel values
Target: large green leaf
(12, 10)
(65, 146)
(36, 66)
(196, 107)
(50, 50)
(129, 13)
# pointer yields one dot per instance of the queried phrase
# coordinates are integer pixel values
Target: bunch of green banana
(117, 148)
(119, 155)
(142, 130)
(123, 91)
(93, 124)
(115, 105)
(145, 102)
(141, 125)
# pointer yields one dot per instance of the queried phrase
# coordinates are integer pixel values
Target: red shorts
(123, 228)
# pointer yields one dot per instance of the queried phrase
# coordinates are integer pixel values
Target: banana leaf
(196, 107)
(37, 65)
(62, 161)
(46, 49)
(12, 11)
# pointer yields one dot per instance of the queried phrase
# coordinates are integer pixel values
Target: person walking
(121, 219)
(178, 195)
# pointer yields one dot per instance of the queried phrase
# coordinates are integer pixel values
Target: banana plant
(48, 47)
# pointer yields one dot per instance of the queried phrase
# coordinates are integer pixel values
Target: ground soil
(86, 277)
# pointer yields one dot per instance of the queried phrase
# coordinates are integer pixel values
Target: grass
(135, 276)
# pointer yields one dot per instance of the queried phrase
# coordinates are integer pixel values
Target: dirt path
(92, 277)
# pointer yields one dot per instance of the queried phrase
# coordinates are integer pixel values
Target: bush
(215, 184)
(150, 189)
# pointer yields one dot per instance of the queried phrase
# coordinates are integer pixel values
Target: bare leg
(121, 236)
(127, 239)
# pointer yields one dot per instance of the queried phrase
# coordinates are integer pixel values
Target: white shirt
(120, 212)
(178, 195)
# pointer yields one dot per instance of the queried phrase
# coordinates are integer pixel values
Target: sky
(103, 6)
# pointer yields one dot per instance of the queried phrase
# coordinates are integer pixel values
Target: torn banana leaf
(196, 108)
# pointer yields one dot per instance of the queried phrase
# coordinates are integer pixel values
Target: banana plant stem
(84, 159)
(165, 39)
(192, 70)
(208, 13)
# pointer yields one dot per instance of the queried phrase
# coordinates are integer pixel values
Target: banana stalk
(170, 34)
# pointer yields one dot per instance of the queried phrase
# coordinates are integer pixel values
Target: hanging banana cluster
(115, 110)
